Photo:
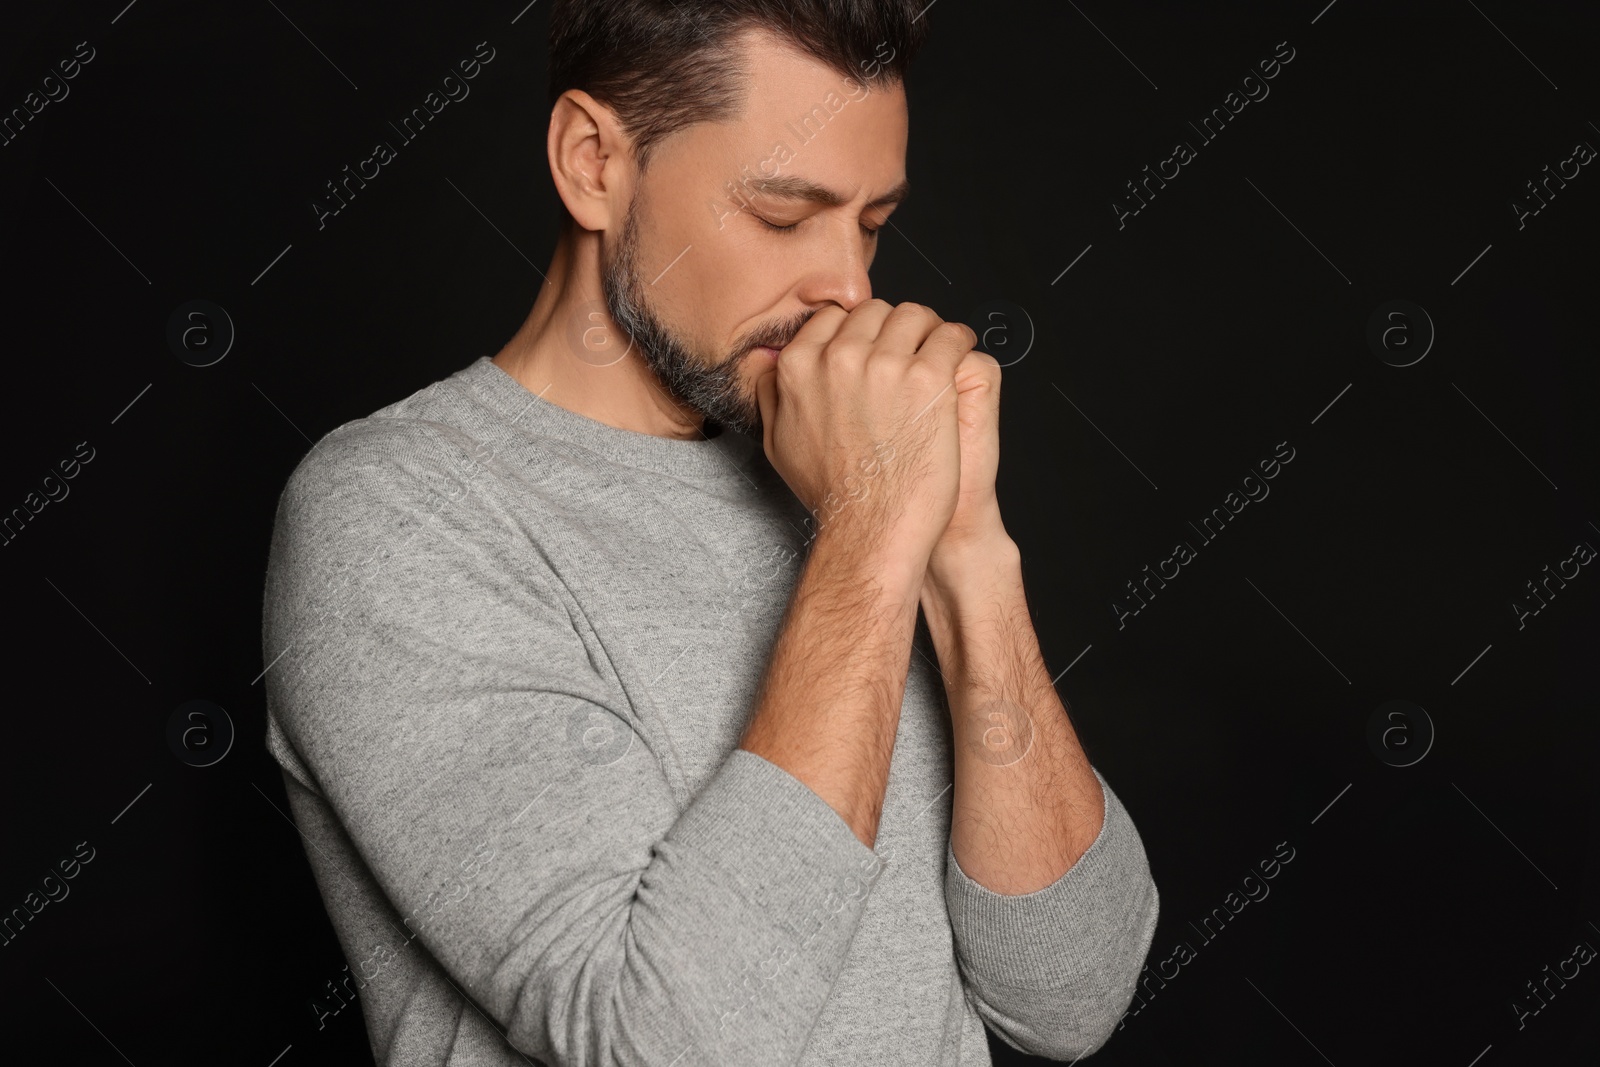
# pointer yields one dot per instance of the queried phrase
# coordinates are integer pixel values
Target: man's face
(699, 278)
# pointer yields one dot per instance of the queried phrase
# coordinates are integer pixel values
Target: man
(596, 669)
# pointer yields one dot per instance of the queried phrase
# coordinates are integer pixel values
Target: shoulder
(384, 445)
(417, 438)
(384, 461)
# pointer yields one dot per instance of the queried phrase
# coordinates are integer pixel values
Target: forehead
(778, 70)
(834, 128)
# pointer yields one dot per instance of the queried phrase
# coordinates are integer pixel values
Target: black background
(1229, 315)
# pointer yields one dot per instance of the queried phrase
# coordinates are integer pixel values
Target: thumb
(767, 401)
(977, 368)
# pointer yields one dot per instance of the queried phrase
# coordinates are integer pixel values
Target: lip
(768, 349)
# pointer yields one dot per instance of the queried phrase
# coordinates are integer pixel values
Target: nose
(839, 273)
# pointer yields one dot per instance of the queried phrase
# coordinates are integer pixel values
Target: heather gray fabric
(512, 650)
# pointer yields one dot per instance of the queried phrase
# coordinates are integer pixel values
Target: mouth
(766, 350)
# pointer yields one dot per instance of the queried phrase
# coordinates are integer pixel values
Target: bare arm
(829, 703)
(869, 390)
(1026, 804)
(1050, 895)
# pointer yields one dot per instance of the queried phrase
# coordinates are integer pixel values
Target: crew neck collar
(719, 458)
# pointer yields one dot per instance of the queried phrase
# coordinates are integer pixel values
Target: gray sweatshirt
(510, 653)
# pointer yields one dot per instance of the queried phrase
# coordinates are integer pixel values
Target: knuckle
(829, 317)
(986, 365)
(883, 371)
(845, 349)
(925, 376)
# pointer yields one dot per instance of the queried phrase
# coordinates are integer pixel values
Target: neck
(547, 353)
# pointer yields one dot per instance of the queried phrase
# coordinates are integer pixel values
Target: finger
(947, 344)
(865, 321)
(907, 327)
(817, 331)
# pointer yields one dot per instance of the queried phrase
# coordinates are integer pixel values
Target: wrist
(974, 595)
(958, 566)
(962, 578)
(895, 573)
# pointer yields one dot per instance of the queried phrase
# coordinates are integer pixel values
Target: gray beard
(711, 387)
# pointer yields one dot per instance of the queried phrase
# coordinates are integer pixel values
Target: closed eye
(870, 231)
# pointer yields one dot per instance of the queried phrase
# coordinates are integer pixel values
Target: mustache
(780, 336)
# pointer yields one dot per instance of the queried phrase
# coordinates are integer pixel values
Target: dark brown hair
(663, 65)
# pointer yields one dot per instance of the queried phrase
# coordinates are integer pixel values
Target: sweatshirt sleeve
(1052, 971)
(449, 701)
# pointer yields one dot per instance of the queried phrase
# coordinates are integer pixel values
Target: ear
(591, 161)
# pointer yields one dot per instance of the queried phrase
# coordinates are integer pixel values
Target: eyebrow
(789, 187)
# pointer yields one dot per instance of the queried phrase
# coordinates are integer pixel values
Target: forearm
(829, 702)
(1026, 804)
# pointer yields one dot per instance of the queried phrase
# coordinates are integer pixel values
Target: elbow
(561, 992)
(636, 987)
(1054, 972)
(1106, 1012)
(1078, 1018)
(1126, 963)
